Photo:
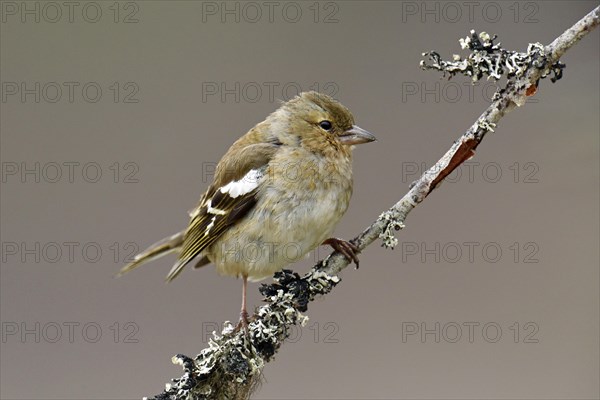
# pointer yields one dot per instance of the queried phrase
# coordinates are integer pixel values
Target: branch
(230, 368)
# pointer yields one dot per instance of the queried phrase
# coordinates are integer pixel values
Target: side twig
(231, 366)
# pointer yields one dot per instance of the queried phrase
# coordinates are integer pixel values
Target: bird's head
(318, 123)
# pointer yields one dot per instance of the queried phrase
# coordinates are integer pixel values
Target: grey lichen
(231, 366)
(392, 223)
(490, 59)
(486, 125)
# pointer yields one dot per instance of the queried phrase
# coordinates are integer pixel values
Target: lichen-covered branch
(230, 367)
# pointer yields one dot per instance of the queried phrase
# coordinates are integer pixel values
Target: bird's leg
(348, 249)
(243, 313)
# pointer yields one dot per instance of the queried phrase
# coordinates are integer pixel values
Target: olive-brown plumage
(277, 193)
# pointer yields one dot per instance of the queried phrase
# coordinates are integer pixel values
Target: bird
(277, 194)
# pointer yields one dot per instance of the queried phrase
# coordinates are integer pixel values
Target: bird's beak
(356, 135)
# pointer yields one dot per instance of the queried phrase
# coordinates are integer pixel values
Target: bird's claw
(348, 249)
(243, 322)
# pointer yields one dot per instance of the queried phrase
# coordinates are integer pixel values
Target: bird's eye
(326, 125)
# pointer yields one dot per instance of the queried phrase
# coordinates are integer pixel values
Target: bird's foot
(243, 322)
(348, 249)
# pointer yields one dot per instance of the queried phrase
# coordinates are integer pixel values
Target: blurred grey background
(114, 114)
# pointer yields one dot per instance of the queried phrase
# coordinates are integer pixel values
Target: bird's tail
(157, 250)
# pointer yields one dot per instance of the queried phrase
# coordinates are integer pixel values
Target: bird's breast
(299, 205)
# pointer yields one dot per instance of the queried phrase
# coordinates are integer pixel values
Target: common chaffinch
(277, 194)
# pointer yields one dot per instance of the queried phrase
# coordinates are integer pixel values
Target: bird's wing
(229, 198)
